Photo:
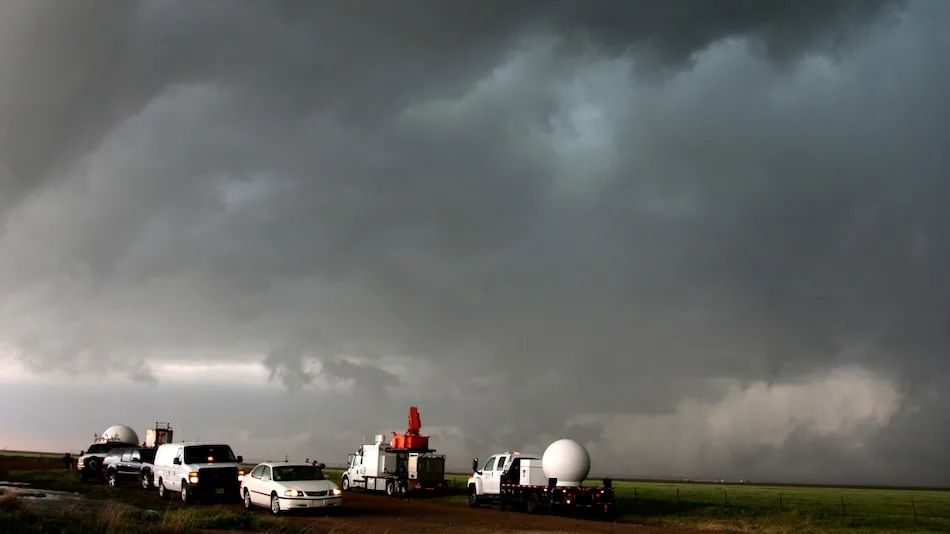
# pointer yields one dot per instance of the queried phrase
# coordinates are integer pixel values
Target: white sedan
(285, 486)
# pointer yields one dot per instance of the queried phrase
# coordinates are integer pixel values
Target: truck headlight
(293, 493)
(240, 475)
(193, 478)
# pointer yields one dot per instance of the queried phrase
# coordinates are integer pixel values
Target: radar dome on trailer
(567, 461)
(120, 433)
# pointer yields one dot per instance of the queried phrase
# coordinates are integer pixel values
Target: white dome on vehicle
(121, 434)
(567, 461)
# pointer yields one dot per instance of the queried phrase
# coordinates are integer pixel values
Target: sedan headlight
(293, 493)
(336, 491)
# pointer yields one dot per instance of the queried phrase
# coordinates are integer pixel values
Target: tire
(247, 500)
(145, 479)
(473, 497)
(92, 464)
(345, 483)
(112, 478)
(531, 503)
(274, 504)
(186, 496)
(162, 491)
(390, 488)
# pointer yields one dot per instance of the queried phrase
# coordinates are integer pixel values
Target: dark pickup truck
(129, 464)
(89, 464)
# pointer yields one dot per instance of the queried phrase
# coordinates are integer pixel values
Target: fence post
(913, 506)
(725, 497)
(636, 497)
(677, 496)
(843, 511)
(781, 505)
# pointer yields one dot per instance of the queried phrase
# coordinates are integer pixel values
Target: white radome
(567, 461)
(120, 433)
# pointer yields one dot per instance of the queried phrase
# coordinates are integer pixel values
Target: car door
(253, 484)
(177, 471)
(134, 467)
(496, 477)
(489, 482)
(265, 485)
(125, 465)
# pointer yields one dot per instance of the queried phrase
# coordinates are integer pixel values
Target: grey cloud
(506, 198)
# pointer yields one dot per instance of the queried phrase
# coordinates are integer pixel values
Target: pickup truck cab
(485, 483)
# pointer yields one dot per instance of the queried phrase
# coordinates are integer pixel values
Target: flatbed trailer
(553, 499)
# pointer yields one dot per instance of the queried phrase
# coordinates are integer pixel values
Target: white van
(198, 470)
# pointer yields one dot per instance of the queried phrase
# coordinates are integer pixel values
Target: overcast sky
(704, 239)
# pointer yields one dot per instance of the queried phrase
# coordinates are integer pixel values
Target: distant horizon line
(632, 478)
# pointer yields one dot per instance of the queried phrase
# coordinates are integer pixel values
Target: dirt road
(369, 513)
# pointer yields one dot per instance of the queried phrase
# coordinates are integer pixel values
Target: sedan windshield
(199, 454)
(289, 473)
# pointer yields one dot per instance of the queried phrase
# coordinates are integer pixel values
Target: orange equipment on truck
(411, 439)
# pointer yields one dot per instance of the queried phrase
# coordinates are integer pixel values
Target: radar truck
(553, 482)
(405, 465)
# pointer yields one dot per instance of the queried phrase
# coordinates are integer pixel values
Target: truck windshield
(200, 454)
(298, 472)
(98, 448)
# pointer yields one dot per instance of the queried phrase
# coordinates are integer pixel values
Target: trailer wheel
(345, 483)
(472, 496)
(390, 488)
(531, 503)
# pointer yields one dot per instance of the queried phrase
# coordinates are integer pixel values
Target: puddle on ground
(59, 502)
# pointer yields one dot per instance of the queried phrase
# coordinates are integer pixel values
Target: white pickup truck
(519, 480)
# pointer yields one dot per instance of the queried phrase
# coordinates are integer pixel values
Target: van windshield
(289, 473)
(201, 454)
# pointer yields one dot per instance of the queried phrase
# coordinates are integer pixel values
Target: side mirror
(475, 464)
(322, 465)
(240, 459)
(177, 461)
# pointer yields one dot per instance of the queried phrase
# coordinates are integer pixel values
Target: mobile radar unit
(406, 464)
(552, 482)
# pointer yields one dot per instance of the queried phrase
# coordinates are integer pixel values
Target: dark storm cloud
(502, 200)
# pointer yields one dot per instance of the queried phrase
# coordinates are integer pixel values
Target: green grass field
(29, 455)
(769, 508)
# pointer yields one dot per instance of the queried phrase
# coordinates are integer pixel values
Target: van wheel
(345, 483)
(186, 493)
(472, 496)
(162, 492)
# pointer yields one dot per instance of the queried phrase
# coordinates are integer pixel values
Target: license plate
(219, 490)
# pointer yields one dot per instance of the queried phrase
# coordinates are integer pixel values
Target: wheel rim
(161, 489)
(184, 492)
(345, 483)
(247, 499)
(274, 505)
(145, 481)
(112, 479)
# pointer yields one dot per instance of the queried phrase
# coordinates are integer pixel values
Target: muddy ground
(364, 513)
